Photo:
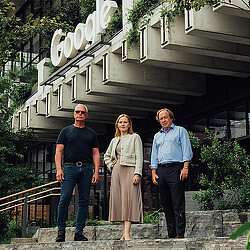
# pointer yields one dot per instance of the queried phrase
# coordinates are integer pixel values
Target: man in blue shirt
(170, 158)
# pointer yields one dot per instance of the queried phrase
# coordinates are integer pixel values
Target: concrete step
(107, 232)
(144, 244)
(217, 223)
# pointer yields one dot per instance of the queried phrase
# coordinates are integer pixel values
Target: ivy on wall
(177, 7)
(139, 16)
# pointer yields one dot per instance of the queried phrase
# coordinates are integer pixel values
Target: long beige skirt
(125, 202)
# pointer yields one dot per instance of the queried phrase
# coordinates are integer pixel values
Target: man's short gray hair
(81, 105)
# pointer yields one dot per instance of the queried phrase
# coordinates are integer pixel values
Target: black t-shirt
(78, 143)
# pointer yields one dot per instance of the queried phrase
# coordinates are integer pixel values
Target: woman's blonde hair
(130, 129)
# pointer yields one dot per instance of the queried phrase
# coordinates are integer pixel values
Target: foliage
(13, 33)
(87, 7)
(9, 228)
(15, 176)
(115, 25)
(240, 232)
(177, 7)
(229, 169)
(19, 92)
(90, 222)
(67, 14)
(151, 217)
(72, 221)
(139, 16)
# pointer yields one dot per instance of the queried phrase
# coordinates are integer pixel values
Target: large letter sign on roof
(84, 34)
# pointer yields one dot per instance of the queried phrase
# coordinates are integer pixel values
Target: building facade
(198, 66)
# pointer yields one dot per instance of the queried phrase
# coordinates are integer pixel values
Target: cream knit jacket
(131, 152)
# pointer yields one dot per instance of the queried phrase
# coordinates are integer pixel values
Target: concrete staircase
(205, 230)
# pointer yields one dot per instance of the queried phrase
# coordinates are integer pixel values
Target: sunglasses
(80, 112)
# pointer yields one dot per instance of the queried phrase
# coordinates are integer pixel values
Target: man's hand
(184, 174)
(95, 178)
(136, 179)
(155, 177)
(60, 176)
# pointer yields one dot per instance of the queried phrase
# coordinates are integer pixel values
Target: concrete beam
(152, 54)
(66, 104)
(96, 87)
(209, 24)
(174, 38)
(237, 8)
(136, 76)
(52, 110)
(79, 95)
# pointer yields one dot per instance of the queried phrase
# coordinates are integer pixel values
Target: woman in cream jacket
(124, 157)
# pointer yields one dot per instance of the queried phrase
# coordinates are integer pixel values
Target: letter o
(69, 48)
(79, 37)
(90, 27)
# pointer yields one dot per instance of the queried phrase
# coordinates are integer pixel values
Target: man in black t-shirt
(77, 150)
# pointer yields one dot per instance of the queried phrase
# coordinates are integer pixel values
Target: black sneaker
(60, 237)
(80, 237)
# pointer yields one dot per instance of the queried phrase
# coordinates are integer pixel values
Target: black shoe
(60, 237)
(179, 236)
(171, 236)
(80, 237)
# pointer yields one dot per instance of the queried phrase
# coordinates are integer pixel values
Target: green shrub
(227, 183)
(151, 217)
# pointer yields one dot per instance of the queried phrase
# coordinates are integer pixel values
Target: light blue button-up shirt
(171, 146)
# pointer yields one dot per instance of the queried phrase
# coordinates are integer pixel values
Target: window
(143, 46)
(73, 88)
(105, 68)
(59, 104)
(28, 116)
(238, 121)
(88, 78)
(47, 104)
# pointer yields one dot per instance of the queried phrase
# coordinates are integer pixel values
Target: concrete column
(43, 73)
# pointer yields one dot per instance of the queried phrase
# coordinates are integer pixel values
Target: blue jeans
(73, 175)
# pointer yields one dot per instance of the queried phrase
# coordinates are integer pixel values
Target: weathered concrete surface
(23, 240)
(108, 232)
(216, 223)
(180, 244)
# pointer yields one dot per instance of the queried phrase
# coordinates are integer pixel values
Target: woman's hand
(113, 163)
(136, 179)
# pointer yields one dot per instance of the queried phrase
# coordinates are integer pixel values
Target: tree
(14, 33)
(15, 176)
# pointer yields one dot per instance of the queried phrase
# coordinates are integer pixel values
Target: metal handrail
(8, 208)
(29, 190)
(24, 201)
(32, 195)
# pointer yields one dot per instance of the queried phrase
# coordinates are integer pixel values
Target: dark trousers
(82, 177)
(172, 192)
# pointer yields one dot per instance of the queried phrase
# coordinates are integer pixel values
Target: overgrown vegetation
(151, 217)
(227, 183)
(9, 228)
(114, 25)
(139, 16)
(177, 7)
